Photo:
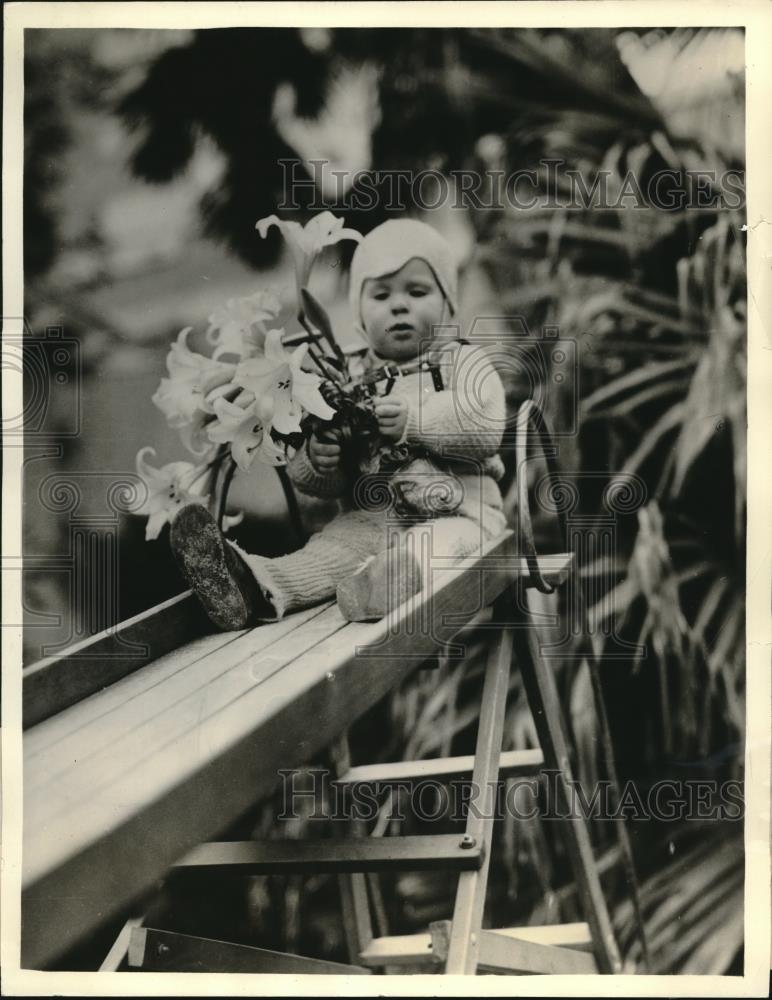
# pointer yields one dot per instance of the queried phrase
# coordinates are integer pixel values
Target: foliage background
(149, 156)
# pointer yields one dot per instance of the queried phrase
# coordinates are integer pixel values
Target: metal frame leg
(548, 718)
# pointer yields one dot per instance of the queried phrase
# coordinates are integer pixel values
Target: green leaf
(651, 372)
(666, 423)
(656, 391)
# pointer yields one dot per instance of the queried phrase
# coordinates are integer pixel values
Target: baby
(440, 416)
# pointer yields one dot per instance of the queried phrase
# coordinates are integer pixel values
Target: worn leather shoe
(217, 575)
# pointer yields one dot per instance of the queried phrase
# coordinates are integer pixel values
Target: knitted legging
(312, 574)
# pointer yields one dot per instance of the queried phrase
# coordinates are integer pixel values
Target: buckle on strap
(436, 374)
(390, 372)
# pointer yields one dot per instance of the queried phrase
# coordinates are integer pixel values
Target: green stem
(314, 351)
(623, 836)
(292, 503)
(314, 338)
(224, 495)
(213, 465)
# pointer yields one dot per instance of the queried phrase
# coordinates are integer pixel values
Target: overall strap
(391, 371)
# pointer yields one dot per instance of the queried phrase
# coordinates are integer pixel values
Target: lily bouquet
(260, 394)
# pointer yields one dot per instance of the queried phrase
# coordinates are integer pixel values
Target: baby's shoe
(380, 584)
(217, 575)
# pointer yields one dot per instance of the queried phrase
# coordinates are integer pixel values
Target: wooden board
(352, 854)
(412, 949)
(512, 764)
(163, 951)
(507, 953)
(472, 886)
(120, 722)
(52, 684)
(161, 769)
(504, 953)
(402, 949)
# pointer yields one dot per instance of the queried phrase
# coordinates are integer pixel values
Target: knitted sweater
(459, 427)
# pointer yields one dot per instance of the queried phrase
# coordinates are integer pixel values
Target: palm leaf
(647, 374)
(690, 904)
(666, 423)
(659, 390)
(582, 83)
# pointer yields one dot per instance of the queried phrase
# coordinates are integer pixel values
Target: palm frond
(668, 422)
(692, 906)
(651, 372)
(659, 390)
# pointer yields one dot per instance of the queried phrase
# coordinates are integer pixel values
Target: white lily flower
(238, 326)
(191, 377)
(248, 432)
(193, 436)
(307, 242)
(169, 489)
(231, 520)
(279, 375)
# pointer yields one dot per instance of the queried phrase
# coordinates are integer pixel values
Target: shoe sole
(200, 551)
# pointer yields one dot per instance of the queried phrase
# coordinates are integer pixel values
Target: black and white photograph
(386, 537)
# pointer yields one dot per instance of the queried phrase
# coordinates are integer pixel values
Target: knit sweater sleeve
(468, 417)
(325, 485)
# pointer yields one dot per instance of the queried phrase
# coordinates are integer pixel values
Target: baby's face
(399, 310)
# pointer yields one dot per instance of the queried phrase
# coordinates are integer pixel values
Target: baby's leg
(311, 574)
(452, 538)
(413, 553)
(438, 544)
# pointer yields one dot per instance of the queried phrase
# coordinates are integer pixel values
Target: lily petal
(287, 414)
(154, 525)
(274, 349)
(306, 242)
(231, 520)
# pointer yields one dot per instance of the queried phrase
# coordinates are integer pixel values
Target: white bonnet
(389, 247)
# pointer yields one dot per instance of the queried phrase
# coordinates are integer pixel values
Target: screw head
(163, 949)
(467, 841)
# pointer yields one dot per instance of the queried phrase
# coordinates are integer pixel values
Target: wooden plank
(401, 949)
(506, 953)
(122, 722)
(350, 854)
(86, 713)
(548, 718)
(470, 629)
(512, 764)
(119, 952)
(155, 950)
(412, 949)
(52, 684)
(502, 953)
(355, 909)
(574, 935)
(470, 895)
(555, 569)
(95, 850)
(156, 717)
(354, 901)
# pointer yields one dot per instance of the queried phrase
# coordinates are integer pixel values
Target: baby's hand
(324, 450)
(391, 414)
